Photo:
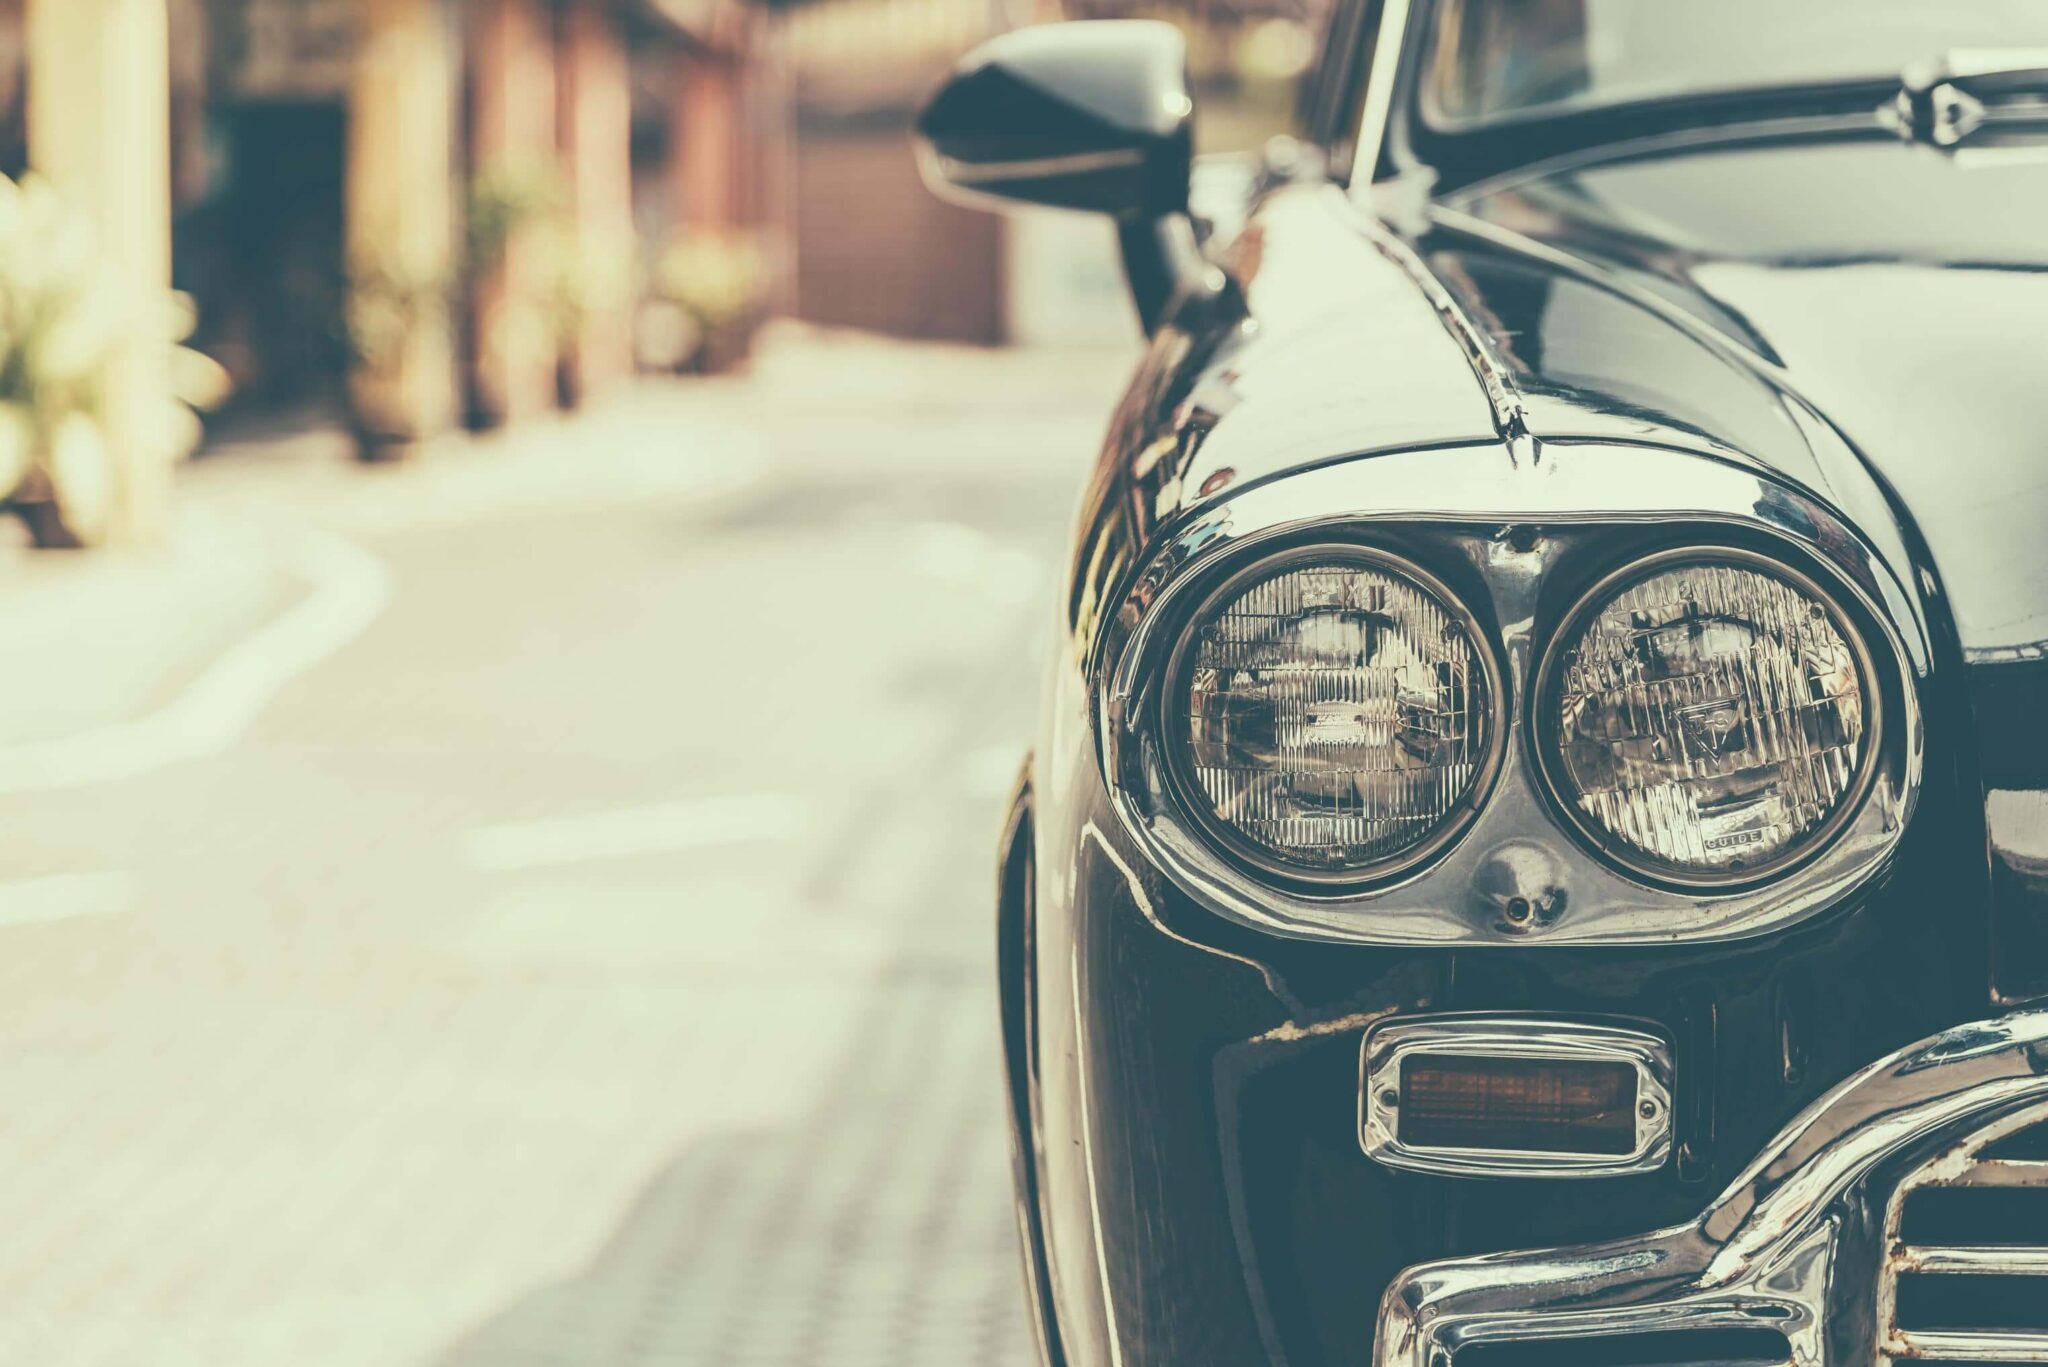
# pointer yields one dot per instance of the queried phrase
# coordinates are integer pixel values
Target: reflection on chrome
(1338, 711)
(1793, 1245)
(1519, 869)
(1711, 716)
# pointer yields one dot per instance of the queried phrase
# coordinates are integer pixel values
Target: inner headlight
(1710, 717)
(1336, 715)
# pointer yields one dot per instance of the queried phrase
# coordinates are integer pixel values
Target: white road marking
(663, 829)
(350, 587)
(61, 896)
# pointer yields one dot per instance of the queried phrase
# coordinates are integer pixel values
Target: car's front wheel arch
(1015, 945)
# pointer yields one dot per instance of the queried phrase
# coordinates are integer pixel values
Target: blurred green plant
(591, 279)
(504, 200)
(704, 298)
(716, 278)
(65, 325)
(387, 305)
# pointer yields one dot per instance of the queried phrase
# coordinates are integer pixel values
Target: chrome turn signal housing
(1532, 1096)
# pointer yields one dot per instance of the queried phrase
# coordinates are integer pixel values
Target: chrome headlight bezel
(1516, 542)
(1543, 735)
(1232, 580)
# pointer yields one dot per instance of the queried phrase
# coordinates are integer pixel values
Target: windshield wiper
(1968, 91)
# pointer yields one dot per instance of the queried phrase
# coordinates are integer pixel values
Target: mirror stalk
(1163, 263)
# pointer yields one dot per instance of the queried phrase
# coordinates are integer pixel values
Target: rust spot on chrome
(1961, 1165)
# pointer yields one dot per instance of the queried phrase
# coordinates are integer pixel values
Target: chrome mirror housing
(1091, 115)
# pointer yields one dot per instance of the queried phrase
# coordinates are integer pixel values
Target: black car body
(1790, 327)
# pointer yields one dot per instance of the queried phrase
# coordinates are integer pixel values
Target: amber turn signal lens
(1450, 1101)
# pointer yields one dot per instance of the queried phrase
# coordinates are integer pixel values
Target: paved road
(588, 962)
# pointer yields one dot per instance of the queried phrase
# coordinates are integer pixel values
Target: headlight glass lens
(1338, 713)
(1711, 718)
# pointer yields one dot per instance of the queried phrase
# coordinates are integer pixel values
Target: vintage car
(1536, 850)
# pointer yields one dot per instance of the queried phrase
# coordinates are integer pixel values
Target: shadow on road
(874, 1232)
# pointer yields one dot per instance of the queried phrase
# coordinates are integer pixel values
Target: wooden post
(704, 143)
(774, 201)
(596, 143)
(99, 108)
(400, 230)
(512, 156)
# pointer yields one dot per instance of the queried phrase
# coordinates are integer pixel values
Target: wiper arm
(1943, 102)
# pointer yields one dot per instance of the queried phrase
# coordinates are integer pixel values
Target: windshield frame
(1483, 148)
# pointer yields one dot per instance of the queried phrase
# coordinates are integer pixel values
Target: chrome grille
(1965, 1276)
(1755, 1347)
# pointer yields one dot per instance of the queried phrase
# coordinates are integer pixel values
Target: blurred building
(874, 251)
(411, 213)
(524, 158)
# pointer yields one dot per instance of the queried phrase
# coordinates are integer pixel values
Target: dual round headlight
(1336, 717)
(1338, 714)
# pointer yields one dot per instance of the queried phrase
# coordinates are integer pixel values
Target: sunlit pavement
(581, 954)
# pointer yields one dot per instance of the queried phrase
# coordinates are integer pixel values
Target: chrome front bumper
(1804, 1243)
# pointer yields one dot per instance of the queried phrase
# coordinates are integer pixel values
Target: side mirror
(1091, 115)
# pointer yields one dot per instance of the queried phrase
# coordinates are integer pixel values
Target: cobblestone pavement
(589, 962)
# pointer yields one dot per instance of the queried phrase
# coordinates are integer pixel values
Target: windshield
(1502, 58)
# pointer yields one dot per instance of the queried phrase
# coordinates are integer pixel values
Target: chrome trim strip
(1990, 1259)
(1792, 1239)
(1390, 1043)
(1961, 1164)
(2004, 1172)
(1520, 874)
(1379, 99)
(1039, 168)
(1994, 1348)
(1496, 378)
(1783, 127)
(2003, 655)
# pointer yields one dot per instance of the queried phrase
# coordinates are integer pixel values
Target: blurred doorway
(875, 250)
(263, 253)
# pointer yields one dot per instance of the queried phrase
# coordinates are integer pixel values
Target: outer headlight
(1333, 716)
(1709, 717)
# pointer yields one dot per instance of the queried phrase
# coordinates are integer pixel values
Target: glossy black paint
(1895, 290)
(1858, 316)
(1072, 116)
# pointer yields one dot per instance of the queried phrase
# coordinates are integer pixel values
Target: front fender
(1016, 877)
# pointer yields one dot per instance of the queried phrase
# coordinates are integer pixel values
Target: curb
(349, 589)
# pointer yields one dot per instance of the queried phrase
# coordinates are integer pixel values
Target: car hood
(1768, 297)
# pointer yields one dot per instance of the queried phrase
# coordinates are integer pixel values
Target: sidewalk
(103, 640)
(96, 639)
(580, 955)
